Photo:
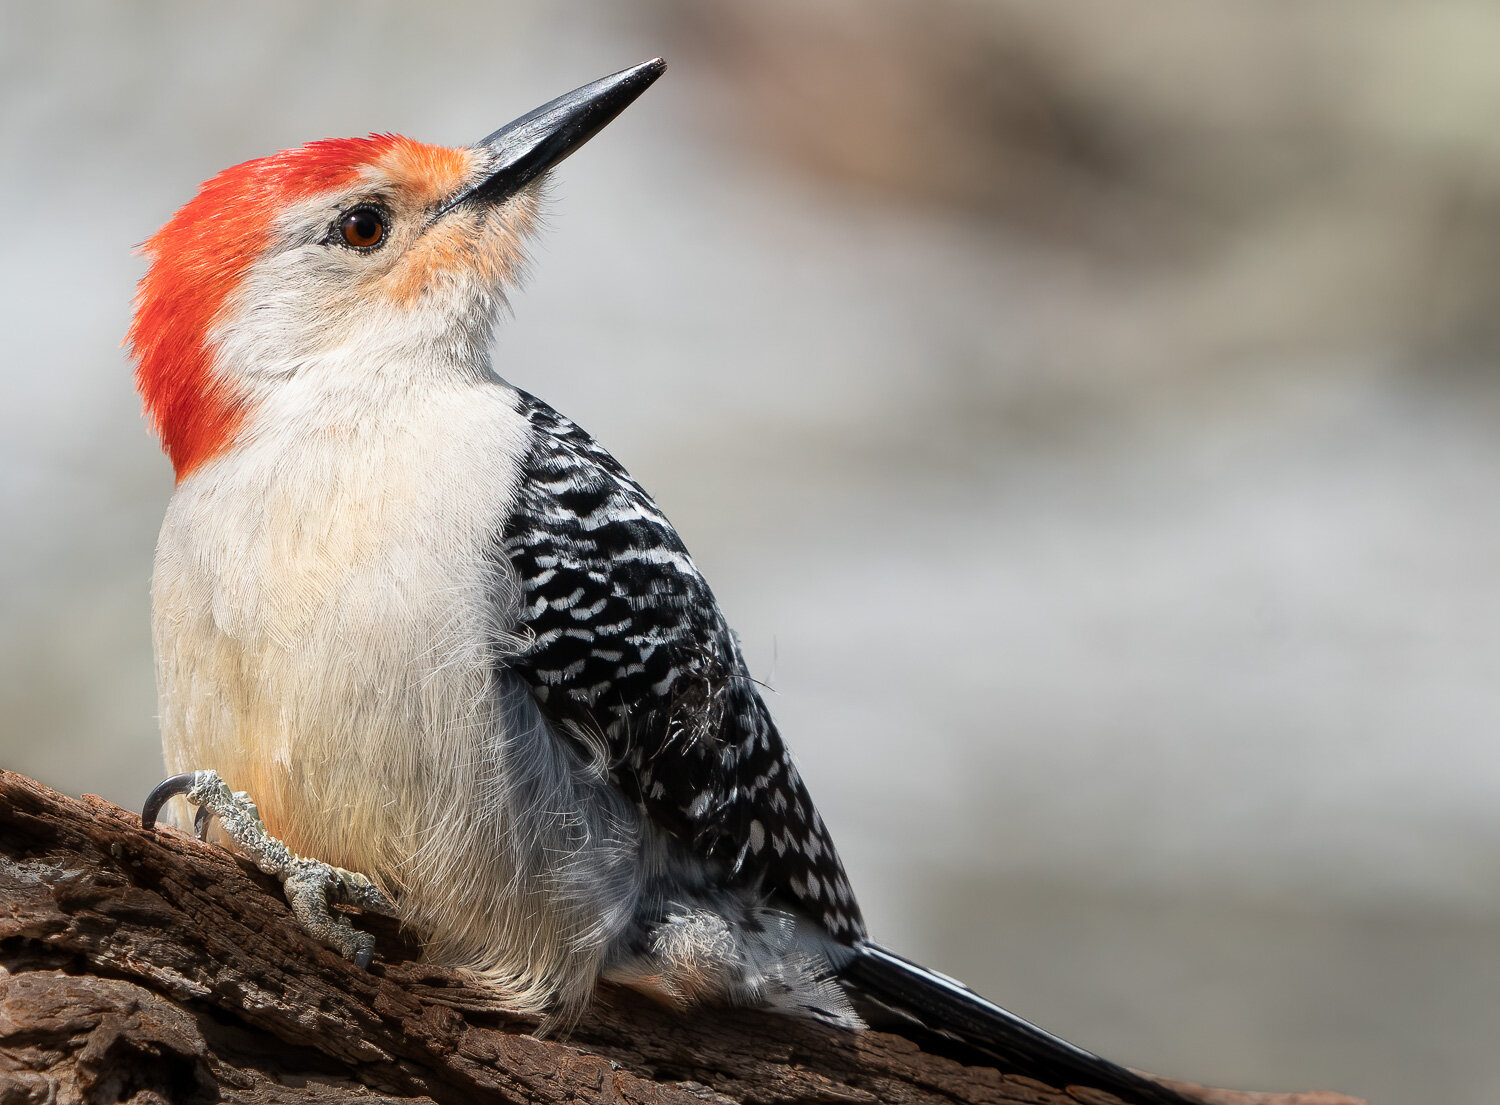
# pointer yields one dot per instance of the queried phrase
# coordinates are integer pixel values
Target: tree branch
(148, 967)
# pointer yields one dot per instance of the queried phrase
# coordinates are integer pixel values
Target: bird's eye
(362, 228)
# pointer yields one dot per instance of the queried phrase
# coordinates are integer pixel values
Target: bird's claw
(168, 789)
(208, 794)
(311, 886)
(203, 817)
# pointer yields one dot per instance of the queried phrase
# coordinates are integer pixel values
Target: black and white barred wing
(626, 640)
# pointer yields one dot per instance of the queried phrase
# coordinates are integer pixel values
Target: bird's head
(327, 263)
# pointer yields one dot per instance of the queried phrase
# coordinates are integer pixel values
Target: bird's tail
(897, 995)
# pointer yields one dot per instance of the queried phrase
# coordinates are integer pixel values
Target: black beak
(527, 148)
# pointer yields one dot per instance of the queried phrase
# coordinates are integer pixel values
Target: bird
(424, 645)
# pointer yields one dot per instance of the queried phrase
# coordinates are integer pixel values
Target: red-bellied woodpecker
(442, 638)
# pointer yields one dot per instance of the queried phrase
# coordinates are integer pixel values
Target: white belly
(326, 620)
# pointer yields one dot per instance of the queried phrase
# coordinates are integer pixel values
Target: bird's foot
(312, 887)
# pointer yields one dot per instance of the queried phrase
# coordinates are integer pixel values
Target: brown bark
(147, 967)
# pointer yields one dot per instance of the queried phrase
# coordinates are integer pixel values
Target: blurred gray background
(1086, 413)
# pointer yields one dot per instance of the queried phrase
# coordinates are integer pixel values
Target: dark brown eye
(362, 228)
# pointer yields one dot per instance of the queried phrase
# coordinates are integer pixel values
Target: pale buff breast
(325, 617)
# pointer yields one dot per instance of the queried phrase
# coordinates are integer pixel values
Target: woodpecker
(423, 645)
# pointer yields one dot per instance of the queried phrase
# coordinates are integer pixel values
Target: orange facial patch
(430, 175)
(453, 248)
(425, 174)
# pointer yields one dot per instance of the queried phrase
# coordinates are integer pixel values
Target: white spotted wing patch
(626, 639)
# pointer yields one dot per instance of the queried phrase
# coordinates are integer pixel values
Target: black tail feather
(945, 1016)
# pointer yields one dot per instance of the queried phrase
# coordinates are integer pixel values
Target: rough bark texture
(147, 967)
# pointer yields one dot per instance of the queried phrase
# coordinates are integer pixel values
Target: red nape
(197, 260)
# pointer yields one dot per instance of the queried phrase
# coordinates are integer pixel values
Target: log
(150, 968)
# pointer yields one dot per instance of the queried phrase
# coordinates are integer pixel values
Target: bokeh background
(1086, 413)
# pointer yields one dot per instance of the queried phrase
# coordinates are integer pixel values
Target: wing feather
(624, 637)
